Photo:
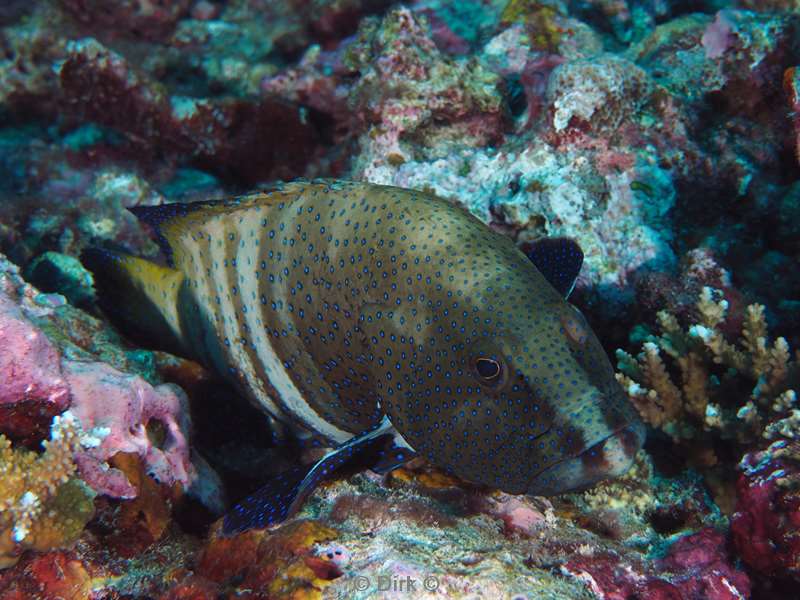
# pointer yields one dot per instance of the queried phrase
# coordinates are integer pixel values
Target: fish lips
(608, 458)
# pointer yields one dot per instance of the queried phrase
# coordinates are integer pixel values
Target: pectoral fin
(282, 497)
(392, 457)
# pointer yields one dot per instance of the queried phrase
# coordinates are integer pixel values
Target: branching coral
(42, 506)
(743, 389)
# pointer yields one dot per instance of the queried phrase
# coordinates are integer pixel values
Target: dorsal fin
(558, 259)
(170, 221)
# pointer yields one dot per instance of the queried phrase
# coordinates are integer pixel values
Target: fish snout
(606, 459)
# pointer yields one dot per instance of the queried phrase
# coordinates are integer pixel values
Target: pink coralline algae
(127, 409)
(696, 566)
(516, 512)
(718, 36)
(121, 411)
(32, 386)
(766, 525)
(407, 87)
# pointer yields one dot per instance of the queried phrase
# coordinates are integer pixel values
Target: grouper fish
(389, 323)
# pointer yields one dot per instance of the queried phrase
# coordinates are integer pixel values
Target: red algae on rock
(227, 136)
(696, 566)
(766, 524)
(136, 523)
(49, 576)
(149, 19)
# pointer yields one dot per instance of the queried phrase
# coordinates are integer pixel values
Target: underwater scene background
(662, 136)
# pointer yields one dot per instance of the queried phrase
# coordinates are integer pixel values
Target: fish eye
(488, 369)
(573, 324)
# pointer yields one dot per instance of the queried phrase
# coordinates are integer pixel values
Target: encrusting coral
(714, 372)
(42, 505)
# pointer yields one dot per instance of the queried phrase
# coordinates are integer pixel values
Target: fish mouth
(608, 458)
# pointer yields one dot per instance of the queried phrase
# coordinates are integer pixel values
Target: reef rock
(767, 518)
(39, 379)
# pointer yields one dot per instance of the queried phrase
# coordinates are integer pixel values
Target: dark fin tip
(558, 259)
(156, 216)
(270, 505)
(104, 264)
(116, 297)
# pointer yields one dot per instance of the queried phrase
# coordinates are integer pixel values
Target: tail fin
(140, 296)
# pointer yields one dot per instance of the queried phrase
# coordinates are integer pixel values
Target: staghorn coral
(42, 505)
(696, 378)
(713, 371)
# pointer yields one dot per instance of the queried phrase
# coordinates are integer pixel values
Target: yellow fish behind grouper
(389, 323)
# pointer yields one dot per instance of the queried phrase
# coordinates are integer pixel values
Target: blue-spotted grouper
(389, 323)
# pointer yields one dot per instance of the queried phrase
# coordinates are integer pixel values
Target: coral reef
(52, 575)
(137, 18)
(225, 136)
(602, 93)
(353, 539)
(697, 567)
(663, 136)
(569, 183)
(122, 407)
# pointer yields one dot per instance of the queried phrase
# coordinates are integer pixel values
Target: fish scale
(355, 311)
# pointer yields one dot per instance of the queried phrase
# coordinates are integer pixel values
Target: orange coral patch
(223, 558)
(53, 575)
(278, 563)
(139, 522)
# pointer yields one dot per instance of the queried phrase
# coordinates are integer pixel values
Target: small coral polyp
(43, 504)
